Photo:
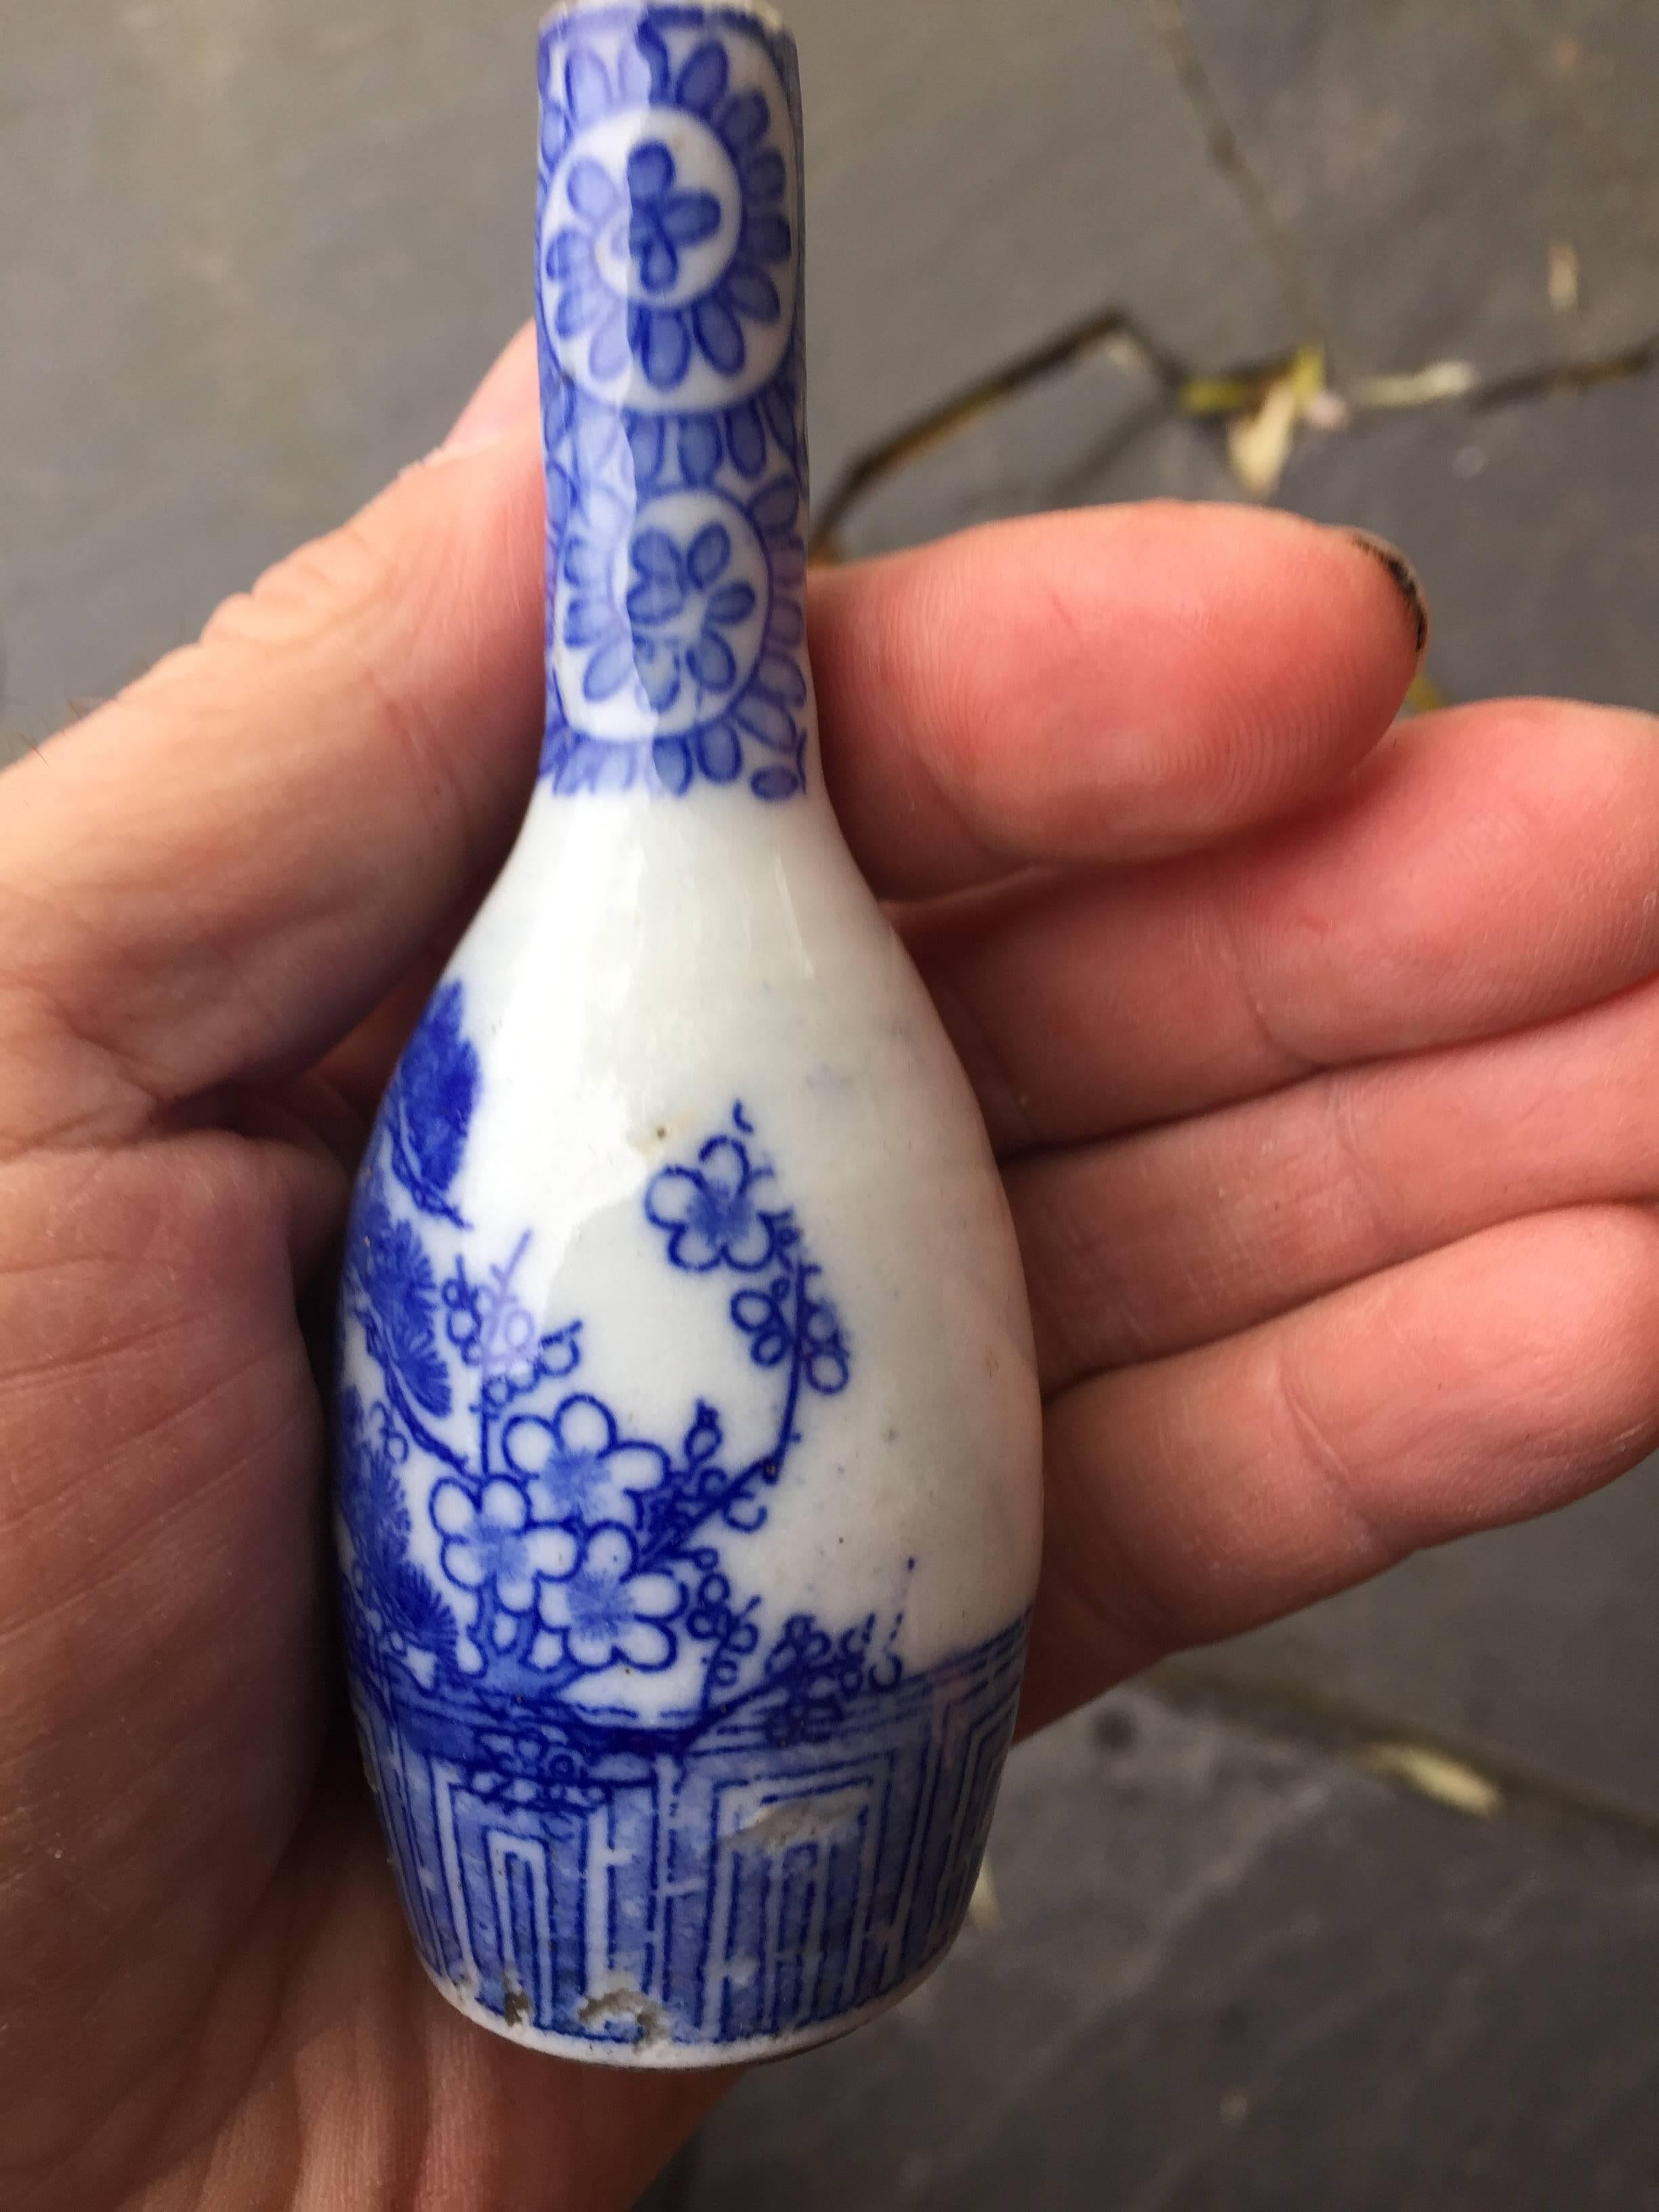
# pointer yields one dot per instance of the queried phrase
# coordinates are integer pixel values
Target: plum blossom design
(818, 1675)
(606, 1611)
(787, 1320)
(710, 1211)
(645, 214)
(489, 1545)
(576, 1468)
(497, 1333)
(566, 1545)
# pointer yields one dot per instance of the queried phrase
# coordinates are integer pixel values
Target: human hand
(1317, 1057)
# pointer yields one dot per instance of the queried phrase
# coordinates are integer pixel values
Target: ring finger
(1155, 1242)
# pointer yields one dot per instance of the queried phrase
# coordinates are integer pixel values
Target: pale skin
(1319, 1052)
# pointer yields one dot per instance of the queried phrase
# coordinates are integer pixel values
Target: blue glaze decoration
(790, 1841)
(669, 309)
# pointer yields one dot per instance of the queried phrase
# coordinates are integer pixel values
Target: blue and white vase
(688, 1431)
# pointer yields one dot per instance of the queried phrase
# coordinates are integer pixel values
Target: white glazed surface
(638, 970)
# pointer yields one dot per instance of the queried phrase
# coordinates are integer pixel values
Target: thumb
(217, 873)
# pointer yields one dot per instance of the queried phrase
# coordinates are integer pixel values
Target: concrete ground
(1395, 264)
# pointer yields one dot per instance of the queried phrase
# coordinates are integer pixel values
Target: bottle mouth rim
(755, 11)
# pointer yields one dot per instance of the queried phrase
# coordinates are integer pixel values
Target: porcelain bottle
(687, 1432)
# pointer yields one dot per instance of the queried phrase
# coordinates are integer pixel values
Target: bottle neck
(669, 319)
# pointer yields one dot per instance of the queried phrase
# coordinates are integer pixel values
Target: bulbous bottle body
(688, 1438)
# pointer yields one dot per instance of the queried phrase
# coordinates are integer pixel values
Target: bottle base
(736, 1898)
(652, 2047)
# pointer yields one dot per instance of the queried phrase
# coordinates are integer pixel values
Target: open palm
(1318, 1055)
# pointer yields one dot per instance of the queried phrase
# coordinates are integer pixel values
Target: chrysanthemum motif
(605, 1611)
(711, 1211)
(667, 238)
(676, 460)
(576, 1468)
(664, 612)
(490, 1546)
(667, 583)
(676, 635)
(664, 216)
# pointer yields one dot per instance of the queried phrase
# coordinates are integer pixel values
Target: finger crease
(1321, 1457)
(1289, 1062)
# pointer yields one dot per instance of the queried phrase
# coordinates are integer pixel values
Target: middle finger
(1488, 867)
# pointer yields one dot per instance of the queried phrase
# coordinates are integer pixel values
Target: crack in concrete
(959, 410)
(1528, 385)
(962, 409)
(1170, 23)
(967, 405)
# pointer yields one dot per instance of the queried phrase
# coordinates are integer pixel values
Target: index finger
(1101, 685)
(1078, 687)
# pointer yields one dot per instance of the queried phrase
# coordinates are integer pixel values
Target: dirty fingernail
(507, 394)
(1404, 580)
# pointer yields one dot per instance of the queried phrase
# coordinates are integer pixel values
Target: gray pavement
(1236, 1970)
(256, 253)
(1418, 160)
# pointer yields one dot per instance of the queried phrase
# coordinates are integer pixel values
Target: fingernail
(1404, 580)
(509, 393)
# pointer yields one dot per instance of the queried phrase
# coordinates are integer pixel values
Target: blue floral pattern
(431, 1102)
(685, 628)
(711, 1211)
(577, 1469)
(562, 1670)
(606, 1610)
(564, 1545)
(490, 1549)
(672, 387)
(670, 265)
(668, 581)
(663, 218)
